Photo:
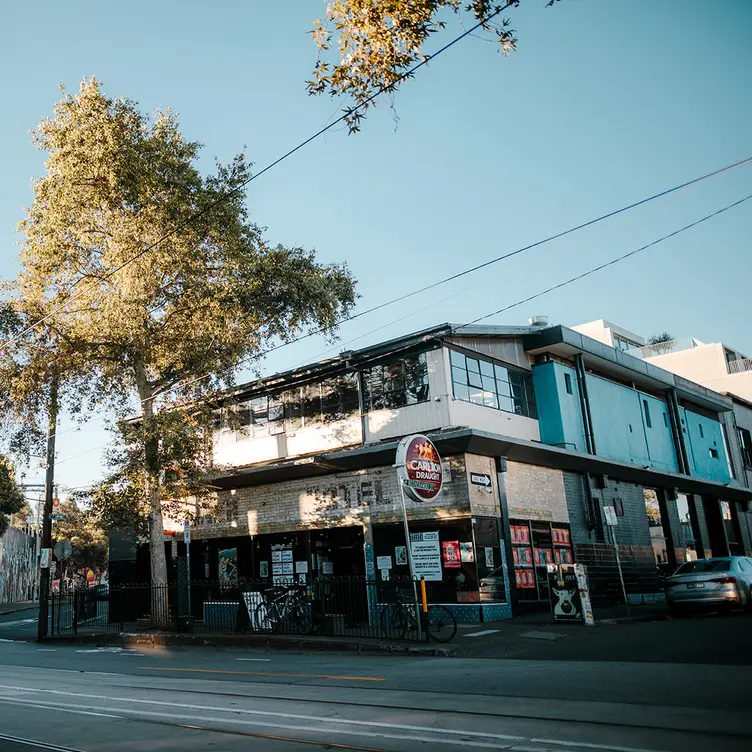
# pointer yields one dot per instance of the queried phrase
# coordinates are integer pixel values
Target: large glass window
(655, 522)
(745, 439)
(483, 382)
(688, 533)
(396, 383)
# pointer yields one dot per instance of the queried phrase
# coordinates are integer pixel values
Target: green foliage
(660, 338)
(81, 529)
(205, 292)
(11, 497)
(377, 41)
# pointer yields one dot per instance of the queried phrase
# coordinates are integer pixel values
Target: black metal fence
(336, 607)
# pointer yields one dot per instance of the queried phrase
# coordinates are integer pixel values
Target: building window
(688, 533)
(727, 449)
(648, 422)
(396, 383)
(568, 383)
(714, 453)
(745, 440)
(620, 343)
(483, 382)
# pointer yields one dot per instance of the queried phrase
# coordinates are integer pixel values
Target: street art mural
(17, 566)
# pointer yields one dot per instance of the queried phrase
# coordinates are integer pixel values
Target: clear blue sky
(603, 104)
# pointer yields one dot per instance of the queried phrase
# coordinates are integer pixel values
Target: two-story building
(539, 427)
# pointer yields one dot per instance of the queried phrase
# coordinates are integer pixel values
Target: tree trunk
(160, 609)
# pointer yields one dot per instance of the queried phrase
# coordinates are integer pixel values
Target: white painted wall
(494, 421)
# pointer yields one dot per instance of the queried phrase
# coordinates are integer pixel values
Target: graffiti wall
(17, 566)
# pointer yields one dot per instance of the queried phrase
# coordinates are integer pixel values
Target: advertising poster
(384, 562)
(286, 555)
(489, 557)
(287, 568)
(563, 589)
(276, 556)
(301, 567)
(451, 554)
(426, 553)
(400, 555)
(466, 552)
(228, 566)
(263, 569)
(327, 567)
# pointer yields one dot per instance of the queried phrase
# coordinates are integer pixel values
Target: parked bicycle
(285, 609)
(400, 613)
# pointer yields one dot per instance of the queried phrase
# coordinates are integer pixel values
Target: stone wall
(535, 493)
(17, 566)
(340, 499)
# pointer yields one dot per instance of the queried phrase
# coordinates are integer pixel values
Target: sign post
(612, 522)
(187, 541)
(421, 477)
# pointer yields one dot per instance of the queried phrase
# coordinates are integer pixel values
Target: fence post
(75, 611)
(122, 615)
(52, 605)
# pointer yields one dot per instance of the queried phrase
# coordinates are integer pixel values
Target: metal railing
(740, 366)
(335, 607)
(664, 348)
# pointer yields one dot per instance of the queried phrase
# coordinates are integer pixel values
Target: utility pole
(49, 490)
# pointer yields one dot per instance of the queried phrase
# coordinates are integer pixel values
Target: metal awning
(462, 440)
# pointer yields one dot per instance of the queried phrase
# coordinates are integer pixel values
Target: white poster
(426, 552)
(327, 567)
(384, 562)
(301, 567)
(287, 568)
(286, 555)
(489, 557)
(276, 556)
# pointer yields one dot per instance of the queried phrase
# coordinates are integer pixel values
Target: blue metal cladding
(559, 413)
(705, 446)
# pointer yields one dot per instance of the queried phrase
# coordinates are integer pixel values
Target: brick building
(538, 427)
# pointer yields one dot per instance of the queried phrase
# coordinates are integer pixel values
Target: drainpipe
(676, 429)
(587, 419)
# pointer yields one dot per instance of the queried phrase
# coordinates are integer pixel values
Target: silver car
(715, 583)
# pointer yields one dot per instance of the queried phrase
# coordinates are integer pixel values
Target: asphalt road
(92, 699)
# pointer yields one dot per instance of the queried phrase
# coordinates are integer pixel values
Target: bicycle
(289, 610)
(399, 615)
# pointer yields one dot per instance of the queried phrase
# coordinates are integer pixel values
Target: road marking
(47, 650)
(38, 745)
(543, 635)
(480, 634)
(254, 659)
(16, 622)
(490, 737)
(263, 673)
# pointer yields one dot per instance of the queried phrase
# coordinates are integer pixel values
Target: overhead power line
(483, 265)
(540, 294)
(271, 165)
(613, 261)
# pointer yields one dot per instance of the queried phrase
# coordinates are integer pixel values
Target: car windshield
(705, 565)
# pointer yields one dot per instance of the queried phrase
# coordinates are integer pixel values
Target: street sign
(611, 518)
(419, 468)
(63, 549)
(480, 479)
(44, 558)
(56, 517)
(187, 532)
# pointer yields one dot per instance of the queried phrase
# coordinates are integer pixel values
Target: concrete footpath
(18, 607)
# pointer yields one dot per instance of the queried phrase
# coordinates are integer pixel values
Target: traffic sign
(611, 519)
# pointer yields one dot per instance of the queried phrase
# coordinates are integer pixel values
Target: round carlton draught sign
(419, 468)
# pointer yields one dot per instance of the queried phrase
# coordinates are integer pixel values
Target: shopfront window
(655, 523)
(445, 555)
(731, 525)
(685, 520)
(490, 384)
(398, 383)
(535, 545)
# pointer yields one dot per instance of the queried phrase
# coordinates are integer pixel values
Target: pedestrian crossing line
(482, 633)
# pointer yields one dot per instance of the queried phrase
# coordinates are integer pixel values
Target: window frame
(485, 381)
(391, 384)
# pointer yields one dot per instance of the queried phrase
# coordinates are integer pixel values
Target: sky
(603, 104)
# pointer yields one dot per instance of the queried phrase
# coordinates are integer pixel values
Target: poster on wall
(489, 557)
(286, 555)
(276, 556)
(451, 551)
(466, 552)
(520, 534)
(263, 569)
(301, 567)
(327, 567)
(400, 555)
(426, 553)
(228, 566)
(564, 594)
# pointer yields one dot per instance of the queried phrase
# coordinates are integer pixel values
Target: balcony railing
(664, 348)
(740, 366)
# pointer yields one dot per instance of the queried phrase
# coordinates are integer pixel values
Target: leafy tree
(661, 337)
(153, 274)
(80, 528)
(377, 41)
(11, 497)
